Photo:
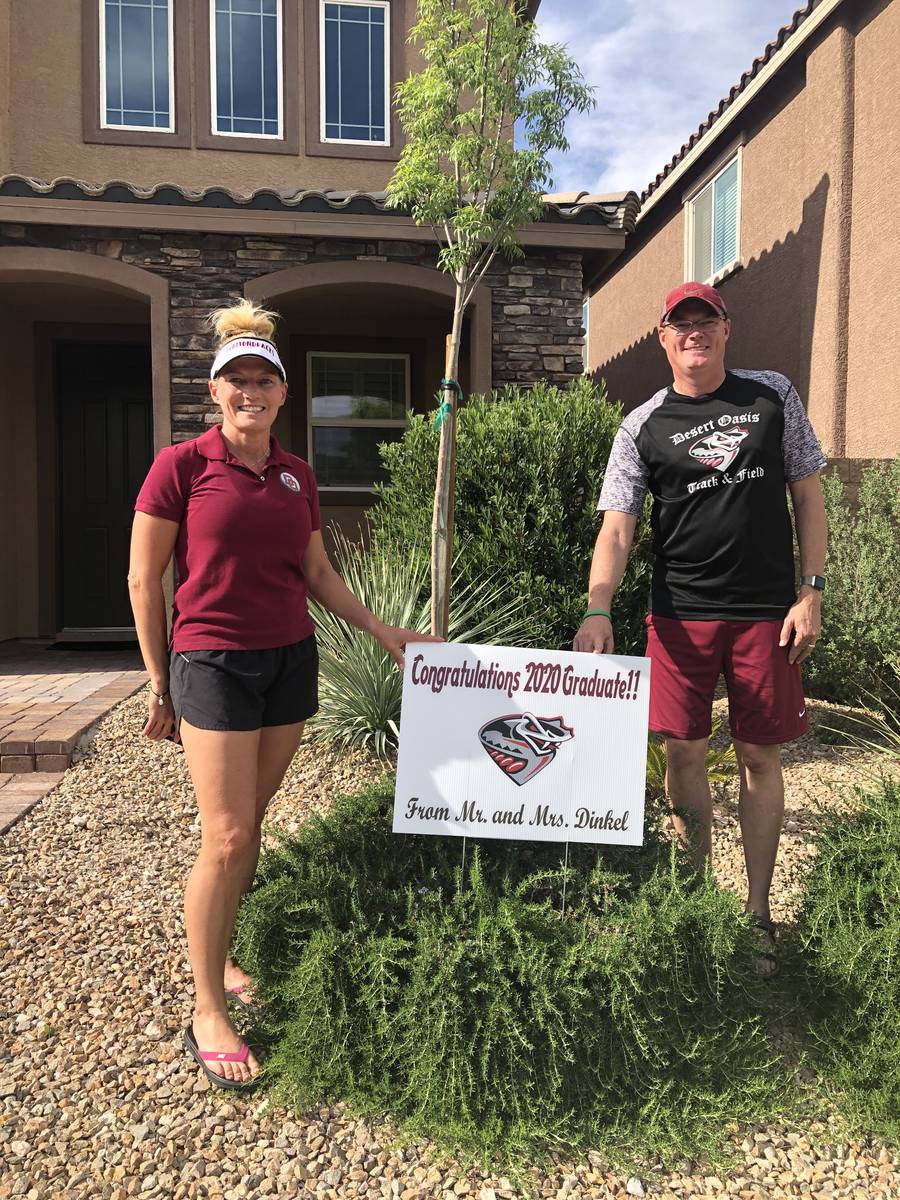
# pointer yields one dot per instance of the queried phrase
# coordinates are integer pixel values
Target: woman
(239, 678)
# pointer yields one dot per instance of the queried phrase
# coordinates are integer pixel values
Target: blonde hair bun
(244, 319)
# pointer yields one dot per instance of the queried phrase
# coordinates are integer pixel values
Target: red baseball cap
(693, 291)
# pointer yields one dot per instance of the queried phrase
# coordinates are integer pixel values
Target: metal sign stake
(565, 880)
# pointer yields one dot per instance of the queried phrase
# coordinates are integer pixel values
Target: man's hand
(394, 639)
(803, 624)
(595, 636)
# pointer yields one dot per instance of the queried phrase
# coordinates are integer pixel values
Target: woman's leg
(277, 746)
(223, 768)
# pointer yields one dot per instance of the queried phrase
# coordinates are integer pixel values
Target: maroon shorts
(765, 693)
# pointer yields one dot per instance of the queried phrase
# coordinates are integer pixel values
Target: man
(715, 450)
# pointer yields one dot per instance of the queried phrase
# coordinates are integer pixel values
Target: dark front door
(103, 392)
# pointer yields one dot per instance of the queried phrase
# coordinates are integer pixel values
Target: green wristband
(598, 612)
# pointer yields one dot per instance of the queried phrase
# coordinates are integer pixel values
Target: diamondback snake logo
(718, 449)
(522, 744)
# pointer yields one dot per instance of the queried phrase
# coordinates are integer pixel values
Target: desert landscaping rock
(99, 1102)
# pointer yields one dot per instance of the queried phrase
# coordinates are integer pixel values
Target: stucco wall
(46, 124)
(622, 316)
(819, 240)
(4, 85)
(873, 401)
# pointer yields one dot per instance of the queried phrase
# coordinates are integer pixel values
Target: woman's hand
(393, 639)
(160, 719)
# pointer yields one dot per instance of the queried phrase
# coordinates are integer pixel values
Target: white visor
(238, 347)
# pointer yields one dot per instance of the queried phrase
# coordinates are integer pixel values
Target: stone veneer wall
(536, 301)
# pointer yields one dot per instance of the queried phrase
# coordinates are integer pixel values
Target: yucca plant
(721, 762)
(877, 729)
(360, 687)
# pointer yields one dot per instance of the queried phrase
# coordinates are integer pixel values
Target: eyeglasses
(707, 325)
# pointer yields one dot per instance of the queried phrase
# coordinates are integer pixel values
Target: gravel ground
(98, 1099)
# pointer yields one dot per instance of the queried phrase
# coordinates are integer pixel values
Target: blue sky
(659, 67)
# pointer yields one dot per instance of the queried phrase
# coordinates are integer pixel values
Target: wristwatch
(813, 581)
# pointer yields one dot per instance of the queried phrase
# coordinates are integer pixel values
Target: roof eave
(561, 231)
(736, 106)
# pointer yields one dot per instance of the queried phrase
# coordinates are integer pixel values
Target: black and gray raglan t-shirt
(717, 468)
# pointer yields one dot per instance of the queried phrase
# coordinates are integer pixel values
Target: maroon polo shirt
(240, 545)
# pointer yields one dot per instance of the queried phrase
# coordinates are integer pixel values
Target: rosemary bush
(472, 1011)
(851, 953)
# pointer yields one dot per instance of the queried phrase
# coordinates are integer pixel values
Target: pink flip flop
(205, 1056)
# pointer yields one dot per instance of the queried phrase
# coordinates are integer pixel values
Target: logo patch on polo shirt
(290, 481)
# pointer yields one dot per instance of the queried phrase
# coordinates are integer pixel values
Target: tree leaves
(487, 79)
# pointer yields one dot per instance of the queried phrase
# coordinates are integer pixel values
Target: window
(714, 215)
(356, 401)
(136, 65)
(354, 72)
(246, 67)
(584, 326)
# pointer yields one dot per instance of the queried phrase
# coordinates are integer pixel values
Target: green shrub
(360, 686)
(529, 470)
(850, 929)
(473, 1012)
(861, 607)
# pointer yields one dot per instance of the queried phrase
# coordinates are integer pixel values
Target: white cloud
(659, 67)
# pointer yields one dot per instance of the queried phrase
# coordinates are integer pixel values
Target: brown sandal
(767, 936)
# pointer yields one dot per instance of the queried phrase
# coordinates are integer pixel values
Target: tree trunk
(445, 489)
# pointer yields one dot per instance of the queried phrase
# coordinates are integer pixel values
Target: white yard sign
(538, 745)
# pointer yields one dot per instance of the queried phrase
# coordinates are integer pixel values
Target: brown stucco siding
(786, 300)
(4, 86)
(622, 315)
(873, 402)
(45, 124)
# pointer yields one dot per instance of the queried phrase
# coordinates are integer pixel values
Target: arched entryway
(364, 342)
(84, 404)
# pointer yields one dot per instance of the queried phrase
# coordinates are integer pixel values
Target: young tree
(486, 74)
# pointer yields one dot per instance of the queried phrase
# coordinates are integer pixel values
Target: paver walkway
(48, 699)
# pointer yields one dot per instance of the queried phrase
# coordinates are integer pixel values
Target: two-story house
(788, 199)
(158, 157)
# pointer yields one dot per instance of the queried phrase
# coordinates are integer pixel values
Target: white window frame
(348, 422)
(586, 322)
(387, 72)
(213, 97)
(708, 182)
(104, 123)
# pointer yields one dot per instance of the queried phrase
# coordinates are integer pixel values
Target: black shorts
(245, 689)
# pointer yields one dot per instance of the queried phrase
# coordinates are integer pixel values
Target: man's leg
(766, 709)
(686, 657)
(761, 812)
(687, 789)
